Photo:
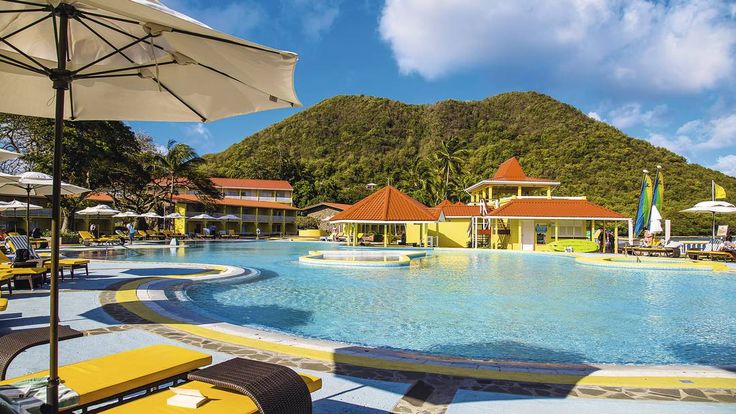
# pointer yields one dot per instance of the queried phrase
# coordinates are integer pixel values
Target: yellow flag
(719, 192)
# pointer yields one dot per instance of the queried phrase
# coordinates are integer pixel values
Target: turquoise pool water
(491, 305)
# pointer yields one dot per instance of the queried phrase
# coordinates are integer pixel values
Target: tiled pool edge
(134, 295)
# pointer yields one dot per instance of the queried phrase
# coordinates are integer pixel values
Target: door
(528, 234)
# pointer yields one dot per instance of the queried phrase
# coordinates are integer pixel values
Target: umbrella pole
(62, 80)
(28, 216)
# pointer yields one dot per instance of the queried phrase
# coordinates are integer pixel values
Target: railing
(21, 213)
(249, 217)
(251, 198)
(283, 199)
(290, 219)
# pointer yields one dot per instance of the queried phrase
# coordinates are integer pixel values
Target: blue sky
(660, 71)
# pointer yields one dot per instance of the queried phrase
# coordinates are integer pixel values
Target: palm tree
(180, 163)
(450, 159)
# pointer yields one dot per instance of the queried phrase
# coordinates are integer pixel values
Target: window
(231, 193)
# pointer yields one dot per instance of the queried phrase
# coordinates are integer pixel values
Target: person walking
(131, 231)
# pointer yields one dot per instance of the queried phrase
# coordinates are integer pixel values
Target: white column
(631, 232)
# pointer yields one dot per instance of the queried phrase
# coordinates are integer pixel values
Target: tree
(450, 159)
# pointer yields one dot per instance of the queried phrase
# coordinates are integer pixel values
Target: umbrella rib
(105, 72)
(179, 99)
(24, 10)
(241, 82)
(27, 3)
(10, 61)
(43, 68)
(102, 38)
(71, 101)
(131, 44)
(217, 39)
(104, 16)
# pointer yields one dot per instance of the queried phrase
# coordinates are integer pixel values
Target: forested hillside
(330, 151)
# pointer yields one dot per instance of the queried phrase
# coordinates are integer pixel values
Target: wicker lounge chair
(15, 342)
(19, 242)
(115, 376)
(237, 386)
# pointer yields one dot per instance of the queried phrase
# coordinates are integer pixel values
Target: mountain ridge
(332, 149)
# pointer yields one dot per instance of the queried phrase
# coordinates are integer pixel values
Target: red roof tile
(190, 198)
(510, 170)
(104, 197)
(251, 183)
(555, 207)
(386, 205)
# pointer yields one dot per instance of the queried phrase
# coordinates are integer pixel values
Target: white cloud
(711, 134)
(317, 16)
(595, 116)
(679, 144)
(673, 46)
(630, 115)
(198, 130)
(726, 165)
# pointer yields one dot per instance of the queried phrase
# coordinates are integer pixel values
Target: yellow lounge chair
(155, 235)
(29, 274)
(64, 263)
(102, 379)
(3, 302)
(88, 239)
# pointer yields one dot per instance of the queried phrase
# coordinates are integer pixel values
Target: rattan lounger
(237, 386)
(15, 342)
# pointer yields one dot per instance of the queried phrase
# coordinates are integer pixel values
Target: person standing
(131, 231)
(93, 230)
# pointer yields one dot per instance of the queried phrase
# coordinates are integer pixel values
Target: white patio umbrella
(229, 217)
(174, 216)
(712, 207)
(127, 214)
(151, 214)
(6, 155)
(127, 60)
(98, 211)
(15, 205)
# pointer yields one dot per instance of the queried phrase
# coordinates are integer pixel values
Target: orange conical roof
(444, 203)
(510, 170)
(386, 205)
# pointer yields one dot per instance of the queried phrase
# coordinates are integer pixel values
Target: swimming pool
(477, 304)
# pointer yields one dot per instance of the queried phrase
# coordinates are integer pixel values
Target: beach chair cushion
(102, 378)
(220, 400)
(3, 304)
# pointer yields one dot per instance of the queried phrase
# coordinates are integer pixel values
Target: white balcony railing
(283, 199)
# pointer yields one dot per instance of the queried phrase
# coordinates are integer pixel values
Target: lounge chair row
(237, 386)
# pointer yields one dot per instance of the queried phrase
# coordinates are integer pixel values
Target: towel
(27, 396)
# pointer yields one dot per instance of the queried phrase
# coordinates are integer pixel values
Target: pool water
(478, 304)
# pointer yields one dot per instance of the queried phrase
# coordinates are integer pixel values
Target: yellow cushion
(220, 401)
(21, 271)
(3, 304)
(101, 378)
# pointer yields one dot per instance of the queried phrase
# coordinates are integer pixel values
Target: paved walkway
(347, 389)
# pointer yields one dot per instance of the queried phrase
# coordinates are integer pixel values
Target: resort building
(518, 212)
(264, 205)
(323, 212)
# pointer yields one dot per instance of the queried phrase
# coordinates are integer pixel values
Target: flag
(645, 205)
(658, 192)
(719, 193)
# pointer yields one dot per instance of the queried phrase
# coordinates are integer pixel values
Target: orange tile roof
(510, 170)
(386, 205)
(190, 198)
(554, 207)
(104, 197)
(251, 183)
(444, 203)
(459, 209)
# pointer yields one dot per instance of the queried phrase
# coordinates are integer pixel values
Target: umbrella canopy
(229, 217)
(15, 204)
(127, 214)
(98, 210)
(712, 207)
(35, 184)
(126, 60)
(135, 60)
(6, 155)
(151, 214)
(174, 216)
(202, 217)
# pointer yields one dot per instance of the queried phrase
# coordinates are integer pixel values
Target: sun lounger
(154, 235)
(19, 242)
(15, 342)
(6, 278)
(88, 239)
(141, 234)
(114, 376)
(651, 251)
(3, 304)
(35, 276)
(237, 386)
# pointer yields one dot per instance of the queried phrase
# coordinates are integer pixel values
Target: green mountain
(333, 149)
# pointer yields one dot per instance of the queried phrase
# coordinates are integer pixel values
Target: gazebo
(385, 208)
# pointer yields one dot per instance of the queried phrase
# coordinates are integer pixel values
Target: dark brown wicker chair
(15, 342)
(274, 389)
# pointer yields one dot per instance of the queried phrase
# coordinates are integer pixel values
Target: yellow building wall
(413, 234)
(451, 233)
(180, 225)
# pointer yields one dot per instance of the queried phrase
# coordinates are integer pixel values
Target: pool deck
(122, 305)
